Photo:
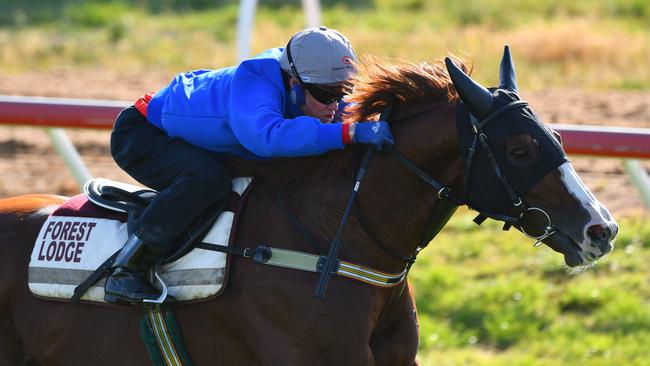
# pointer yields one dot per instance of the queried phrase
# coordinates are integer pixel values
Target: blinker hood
(485, 191)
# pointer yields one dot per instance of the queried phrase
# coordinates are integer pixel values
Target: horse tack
(62, 258)
(161, 335)
(331, 259)
(311, 263)
(199, 275)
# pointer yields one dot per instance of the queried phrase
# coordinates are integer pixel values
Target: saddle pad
(69, 248)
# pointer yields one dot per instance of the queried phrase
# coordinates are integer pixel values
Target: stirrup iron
(163, 294)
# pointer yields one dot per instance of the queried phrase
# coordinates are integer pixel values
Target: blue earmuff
(297, 95)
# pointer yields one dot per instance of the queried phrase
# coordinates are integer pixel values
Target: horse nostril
(599, 232)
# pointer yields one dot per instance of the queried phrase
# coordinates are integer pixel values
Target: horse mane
(404, 83)
(377, 82)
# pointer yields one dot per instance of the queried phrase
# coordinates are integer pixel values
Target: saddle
(133, 200)
(77, 243)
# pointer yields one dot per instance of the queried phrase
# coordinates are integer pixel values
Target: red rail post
(59, 112)
(623, 142)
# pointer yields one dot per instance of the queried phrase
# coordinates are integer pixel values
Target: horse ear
(507, 71)
(477, 98)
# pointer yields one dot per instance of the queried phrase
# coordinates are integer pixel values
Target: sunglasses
(324, 95)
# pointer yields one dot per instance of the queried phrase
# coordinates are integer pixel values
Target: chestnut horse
(484, 147)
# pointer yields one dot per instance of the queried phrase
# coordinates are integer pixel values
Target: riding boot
(127, 283)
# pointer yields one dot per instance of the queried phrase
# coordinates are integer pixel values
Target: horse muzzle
(598, 241)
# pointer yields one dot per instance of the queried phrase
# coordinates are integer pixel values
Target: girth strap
(311, 263)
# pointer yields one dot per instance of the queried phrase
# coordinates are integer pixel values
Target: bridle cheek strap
(517, 201)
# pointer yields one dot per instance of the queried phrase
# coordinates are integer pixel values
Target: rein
(332, 254)
(330, 264)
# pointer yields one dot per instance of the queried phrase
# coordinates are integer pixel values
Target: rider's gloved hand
(371, 133)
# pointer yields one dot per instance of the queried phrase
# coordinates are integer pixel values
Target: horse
(456, 143)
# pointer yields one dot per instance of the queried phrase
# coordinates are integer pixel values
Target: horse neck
(394, 202)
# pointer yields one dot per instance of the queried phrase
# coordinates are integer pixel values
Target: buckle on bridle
(262, 254)
(444, 192)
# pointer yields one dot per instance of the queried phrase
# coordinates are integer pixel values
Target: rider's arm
(256, 118)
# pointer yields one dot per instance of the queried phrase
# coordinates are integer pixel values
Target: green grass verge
(487, 297)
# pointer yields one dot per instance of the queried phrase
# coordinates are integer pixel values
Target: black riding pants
(189, 179)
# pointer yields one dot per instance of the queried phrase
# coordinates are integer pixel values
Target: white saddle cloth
(69, 249)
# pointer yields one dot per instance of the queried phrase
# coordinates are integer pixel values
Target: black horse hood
(485, 191)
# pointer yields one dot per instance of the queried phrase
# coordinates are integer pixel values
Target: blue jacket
(242, 110)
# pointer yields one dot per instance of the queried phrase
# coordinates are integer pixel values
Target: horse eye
(519, 153)
(521, 149)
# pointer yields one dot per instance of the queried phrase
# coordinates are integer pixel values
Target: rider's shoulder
(263, 62)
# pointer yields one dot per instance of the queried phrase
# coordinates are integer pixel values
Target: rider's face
(314, 108)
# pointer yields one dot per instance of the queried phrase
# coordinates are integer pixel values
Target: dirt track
(29, 164)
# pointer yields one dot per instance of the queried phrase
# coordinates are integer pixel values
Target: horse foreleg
(396, 337)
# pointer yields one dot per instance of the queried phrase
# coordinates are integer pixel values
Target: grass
(487, 297)
(591, 45)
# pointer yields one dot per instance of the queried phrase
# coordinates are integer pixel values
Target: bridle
(521, 209)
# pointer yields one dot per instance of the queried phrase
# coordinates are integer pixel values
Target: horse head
(515, 167)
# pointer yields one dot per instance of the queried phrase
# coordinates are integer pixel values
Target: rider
(281, 103)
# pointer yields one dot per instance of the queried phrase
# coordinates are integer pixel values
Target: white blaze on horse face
(598, 214)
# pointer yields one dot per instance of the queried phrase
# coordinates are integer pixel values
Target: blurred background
(485, 297)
